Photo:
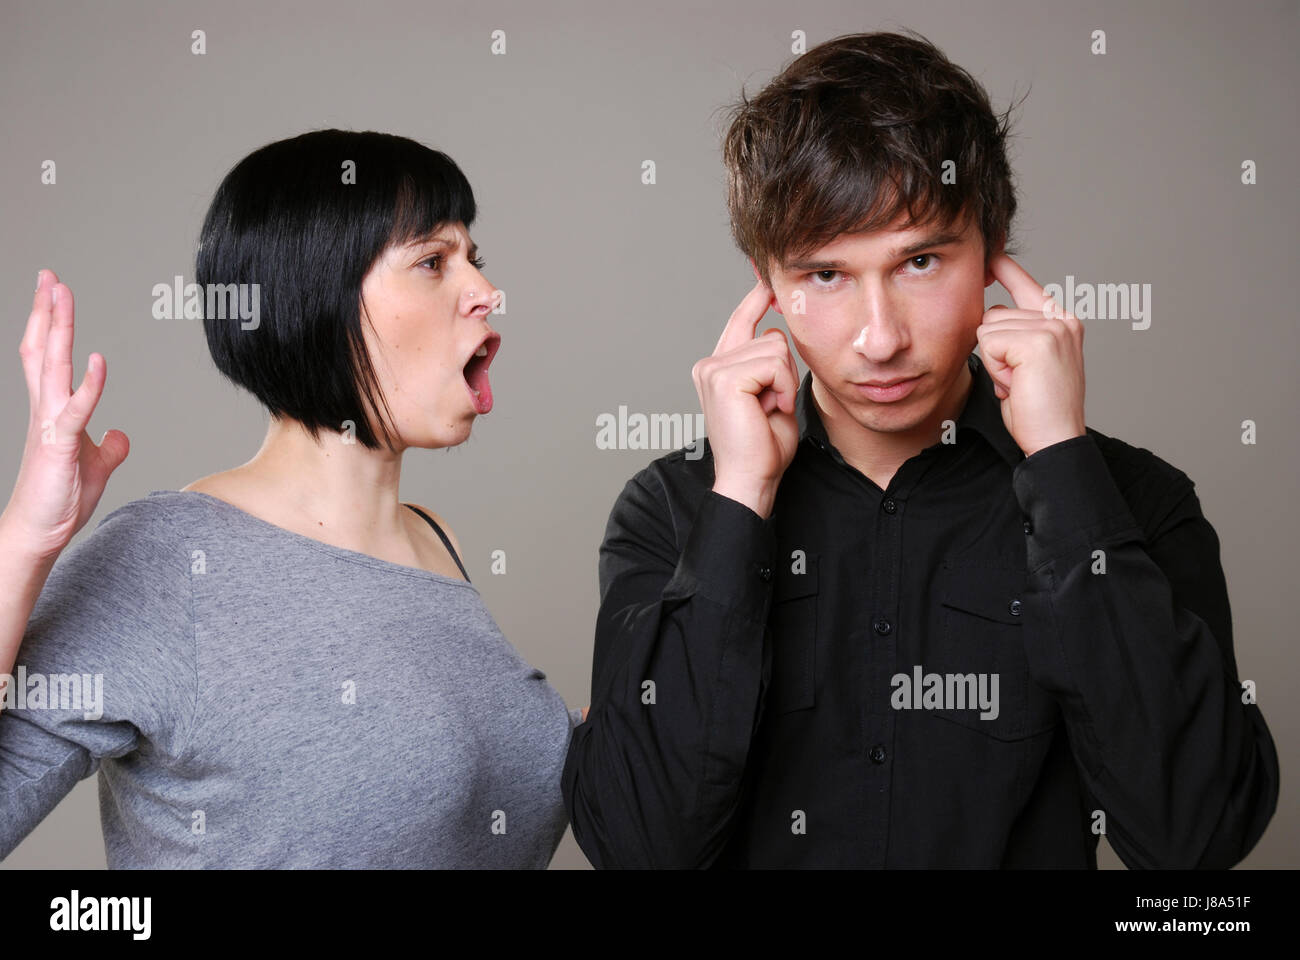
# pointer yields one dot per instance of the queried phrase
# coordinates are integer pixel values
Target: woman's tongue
(476, 376)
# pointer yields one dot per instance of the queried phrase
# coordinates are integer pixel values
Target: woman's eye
(435, 262)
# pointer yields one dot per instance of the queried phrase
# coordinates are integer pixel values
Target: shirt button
(765, 572)
(877, 754)
(889, 506)
(1029, 528)
(883, 627)
(1015, 608)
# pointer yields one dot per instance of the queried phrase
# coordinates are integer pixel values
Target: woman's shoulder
(142, 539)
(159, 515)
(116, 593)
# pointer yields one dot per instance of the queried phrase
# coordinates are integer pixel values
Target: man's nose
(882, 333)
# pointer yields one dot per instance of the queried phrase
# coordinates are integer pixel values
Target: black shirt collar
(982, 413)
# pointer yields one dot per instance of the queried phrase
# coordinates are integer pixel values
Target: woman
(280, 665)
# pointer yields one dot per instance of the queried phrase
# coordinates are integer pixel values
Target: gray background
(1128, 166)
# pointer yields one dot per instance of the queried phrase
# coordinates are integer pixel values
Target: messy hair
(856, 133)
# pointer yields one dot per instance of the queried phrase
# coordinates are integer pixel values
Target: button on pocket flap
(796, 576)
(994, 593)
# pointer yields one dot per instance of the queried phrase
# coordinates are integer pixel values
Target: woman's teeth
(481, 351)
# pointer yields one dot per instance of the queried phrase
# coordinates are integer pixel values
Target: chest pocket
(793, 622)
(983, 625)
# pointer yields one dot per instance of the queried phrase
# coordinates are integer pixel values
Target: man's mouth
(476, 372)
(887, 391)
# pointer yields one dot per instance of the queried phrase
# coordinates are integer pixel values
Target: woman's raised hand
(63, 473)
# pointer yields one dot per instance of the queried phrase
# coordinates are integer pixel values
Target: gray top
(267, 700)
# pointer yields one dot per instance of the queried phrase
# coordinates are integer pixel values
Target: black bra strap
(438, 530)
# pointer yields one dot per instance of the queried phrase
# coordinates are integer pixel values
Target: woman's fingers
(56, 365)
(113, 448)
(32, 347)
(76, 413)
(46, 351)
(98, 464)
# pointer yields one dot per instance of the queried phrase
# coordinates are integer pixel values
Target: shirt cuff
(730, 556)
(575, 716)
(1069, 500)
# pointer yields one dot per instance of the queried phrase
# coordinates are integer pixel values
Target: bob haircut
(853, 133)
(305, 219)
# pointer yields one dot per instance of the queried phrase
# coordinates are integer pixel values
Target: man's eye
(925, 260)
(823, 275)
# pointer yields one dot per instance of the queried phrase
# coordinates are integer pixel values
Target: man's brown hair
(854, 133)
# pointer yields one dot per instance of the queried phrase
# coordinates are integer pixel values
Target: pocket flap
(986, 591)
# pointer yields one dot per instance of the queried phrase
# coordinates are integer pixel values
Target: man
(913, 612)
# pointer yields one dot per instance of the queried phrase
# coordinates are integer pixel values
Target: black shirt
(747, 706)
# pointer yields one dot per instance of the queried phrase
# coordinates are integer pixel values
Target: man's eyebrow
(941, 239)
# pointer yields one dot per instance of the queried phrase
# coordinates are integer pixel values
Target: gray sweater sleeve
(106, 665)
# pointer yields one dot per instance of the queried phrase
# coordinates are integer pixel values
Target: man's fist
(747, 390)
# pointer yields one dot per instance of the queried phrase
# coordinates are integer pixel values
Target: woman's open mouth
(476, 373)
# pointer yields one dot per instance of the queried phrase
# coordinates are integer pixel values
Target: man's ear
(758, 276)
(989, 279)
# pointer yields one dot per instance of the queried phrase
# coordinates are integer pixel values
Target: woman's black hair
(305, 219)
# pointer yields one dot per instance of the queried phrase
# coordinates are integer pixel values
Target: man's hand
(747, 390)
(1034, 355)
